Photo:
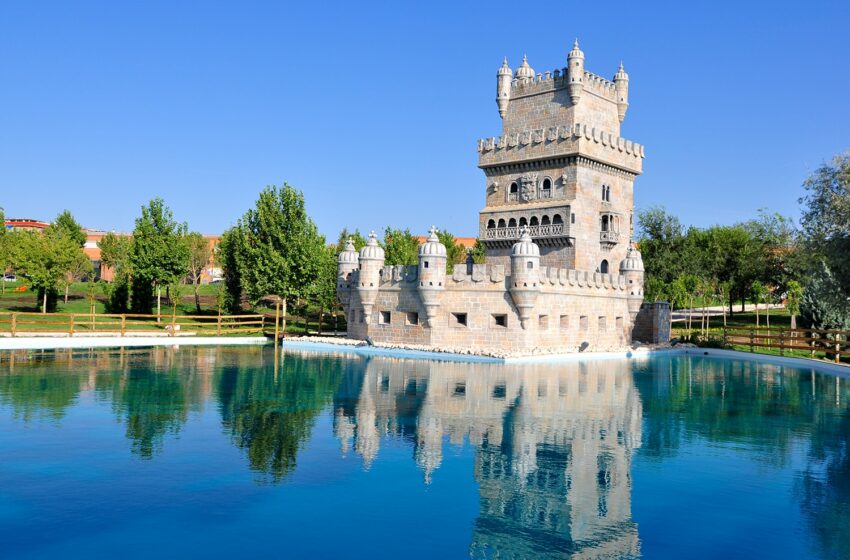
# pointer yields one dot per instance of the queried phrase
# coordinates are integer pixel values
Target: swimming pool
(236, 452)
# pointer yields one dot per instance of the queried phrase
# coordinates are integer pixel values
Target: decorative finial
(505, 63)
(373, 238)
(621, 67)
(349, 244)
(575, 44)
(432, 233)
(524, 58)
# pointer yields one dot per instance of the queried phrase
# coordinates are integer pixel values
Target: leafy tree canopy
(400, 247)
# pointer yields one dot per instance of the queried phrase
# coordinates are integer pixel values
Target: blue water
(231, 453)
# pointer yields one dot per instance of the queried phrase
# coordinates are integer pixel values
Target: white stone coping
(49, 343)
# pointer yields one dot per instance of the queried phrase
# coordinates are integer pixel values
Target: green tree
(793, 297)
(661, 239)
(479, 252)
(758, 293)
(44, 258)
(158, 256)
(115, 254)
(229, 249)
(79, 268)
(400, 247)
(65, 222)
(198, 249)
(824, 305)
(5, 251)
(275, 247)
(826, 218)
(356, 237)
(323, 290)
(455, 253)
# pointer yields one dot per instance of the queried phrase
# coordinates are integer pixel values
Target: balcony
(611, 237)
(548, 230)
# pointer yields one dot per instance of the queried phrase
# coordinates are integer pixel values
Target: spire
(525, 70)
(505, 69)
(621, 73)
(576, 52)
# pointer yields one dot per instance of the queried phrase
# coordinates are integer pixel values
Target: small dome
(432, 247)
(576, 52)
(621, 74)
(525, 247)
(524, 70)
(372, 251)
(505, 70)
(632, 262)
(349, 255)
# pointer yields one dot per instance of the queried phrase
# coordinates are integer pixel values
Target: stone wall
(652, 324)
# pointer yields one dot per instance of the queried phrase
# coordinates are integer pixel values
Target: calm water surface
(229, 453)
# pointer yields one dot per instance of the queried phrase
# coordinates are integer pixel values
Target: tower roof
(372, 251)
(505, 70)
(621, 74)
(432, 246)
(349, 255)
(633, 261)
(576, 52)
(524, 70)
(525, 247)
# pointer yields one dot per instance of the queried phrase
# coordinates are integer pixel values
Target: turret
(575, 73)
(503, 88)
(347, 263)
(621, 83)
(371, 263)
(525, 271)
(525, 71)
(432, 274)
(632, 269)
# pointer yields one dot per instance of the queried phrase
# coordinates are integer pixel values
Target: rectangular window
(384, 318)
(499, 391)
(565, 322)
(460, 389)
(573, 218)
(500, 320)
(362, 316)
(603, 323)
(582, 322)
(412, 318)
(543, 322)
(619, 323)
(458, 319)
(425, 264)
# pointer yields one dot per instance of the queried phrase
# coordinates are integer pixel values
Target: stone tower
(371, 262)
(560, 167)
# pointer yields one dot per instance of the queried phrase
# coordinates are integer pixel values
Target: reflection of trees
(36, 386)
(271, 415)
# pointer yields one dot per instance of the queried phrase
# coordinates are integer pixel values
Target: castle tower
(525, 72)
(575, 73)
(621, 85)
(525, 271)
(347, 262)
(503, 87)
(371, 262)
(432, 274)
(632, 269)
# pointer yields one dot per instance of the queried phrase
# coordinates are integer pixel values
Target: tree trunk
(44, 302)
(767, 314)
(158, 304)
(283, 320)
(321, 317)
(66, 293)
(197, 299)
(793, 322)
(336, 329)
(757, 315)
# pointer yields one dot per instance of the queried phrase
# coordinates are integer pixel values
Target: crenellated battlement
(550, 278)
(557, 79)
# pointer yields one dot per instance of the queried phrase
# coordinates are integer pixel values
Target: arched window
(603, 267)
(502, 222)
(533, 221)
(545, 221)
(491, 224)
(513, 193)
(608, 194)
(546, 189)
(523, 221)
(603, 192)
(605, 222)
(556, 219)
(512, 222)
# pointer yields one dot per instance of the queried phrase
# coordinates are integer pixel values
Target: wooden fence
(831, 343)
(127, 324)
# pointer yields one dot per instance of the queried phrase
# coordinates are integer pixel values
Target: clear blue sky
(373, 109)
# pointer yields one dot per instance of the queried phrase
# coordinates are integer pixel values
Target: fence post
(14, 323)
(752, 339)
(837, 348)
(218, 325)
(123, 324)
(781, 343)
(71, 326)
(276, 320)
(812, 344)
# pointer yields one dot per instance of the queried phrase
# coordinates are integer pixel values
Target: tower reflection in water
(553, 445)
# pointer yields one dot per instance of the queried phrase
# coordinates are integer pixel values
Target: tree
(5, 250)
(793, 297)
(479, 252)
(826, 218)
(275, 248)
(660, 238)
(455, 254)
(758, 291)
(44, 258)
(823, 305)
(79, 267)
(115, 252)
(323, 289)
(158, 257)
(356, 237)
(198, 249)
(65, 222)
(229, 248)
(400, 247)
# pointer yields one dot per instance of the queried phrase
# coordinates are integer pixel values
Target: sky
(373, 109)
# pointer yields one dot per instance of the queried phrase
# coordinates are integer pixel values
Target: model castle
(560, 272)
